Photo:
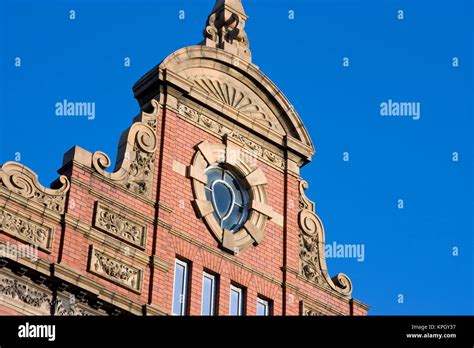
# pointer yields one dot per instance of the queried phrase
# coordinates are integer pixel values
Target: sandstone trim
(115, 270)
(21, 180)
(27, 229)
(120, 226)
(253, 233)
(311, 248)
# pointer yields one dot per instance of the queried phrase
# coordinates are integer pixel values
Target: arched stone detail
(311, 249)
(211, 76)
(252, 232)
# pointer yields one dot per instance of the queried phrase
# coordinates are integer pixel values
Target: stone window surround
(253, 178)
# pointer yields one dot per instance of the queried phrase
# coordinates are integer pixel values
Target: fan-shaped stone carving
(228, 94)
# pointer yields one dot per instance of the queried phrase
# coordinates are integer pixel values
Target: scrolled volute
(135, 160)
(23, 181)
(312, 248)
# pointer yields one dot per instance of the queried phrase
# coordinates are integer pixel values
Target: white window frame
(213, 292)
(266, 304)
(240, 307)
(184, 295)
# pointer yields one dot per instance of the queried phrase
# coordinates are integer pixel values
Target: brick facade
(113, 244)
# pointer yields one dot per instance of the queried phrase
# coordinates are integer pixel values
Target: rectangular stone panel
(21, 295)
(26, 230)
(115, 270)
(119, 226)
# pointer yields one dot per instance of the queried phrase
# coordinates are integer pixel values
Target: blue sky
(408, 251)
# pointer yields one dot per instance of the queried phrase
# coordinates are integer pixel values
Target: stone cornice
(361, 304)
(111, 183)
(23, 296)
(115, 244)
(75, 278)
(37, 265)
(29, 205)
(318, 308)
(152, 310)
(112, 202)
(315, 302)
(103, 239)
(158, 263)
(316, 285)
(249, 143)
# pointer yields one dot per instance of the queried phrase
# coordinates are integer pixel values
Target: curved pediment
(235, 88)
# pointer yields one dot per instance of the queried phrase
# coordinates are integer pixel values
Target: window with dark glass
(228, 197)
(180, 287)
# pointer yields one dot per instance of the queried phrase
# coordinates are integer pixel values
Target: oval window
(228, 197)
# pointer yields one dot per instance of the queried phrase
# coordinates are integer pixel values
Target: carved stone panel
(26, 298)
(218, 129)
(119, 226)
(115, 270)
(73, 307)
(29, 231)
(310, 312)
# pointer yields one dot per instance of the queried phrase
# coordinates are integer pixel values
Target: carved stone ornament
(23, 181)
(136, 158)
(26, 230)
(311, 248)
(227, 90)
(219, 129)
(21, 293)
(252, 232)
(66, 307)
(119, 226)
(310, 312)
(115, 270)
(225, 28)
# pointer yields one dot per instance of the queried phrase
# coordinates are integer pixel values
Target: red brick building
(204, 212)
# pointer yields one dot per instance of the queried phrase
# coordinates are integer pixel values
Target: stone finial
(225, 29)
